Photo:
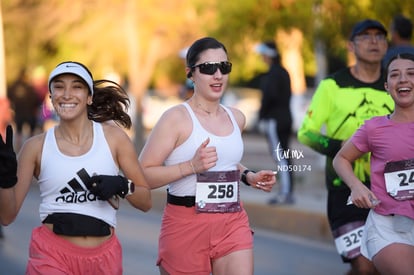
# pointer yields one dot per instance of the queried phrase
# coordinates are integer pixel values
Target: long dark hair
(110, 102)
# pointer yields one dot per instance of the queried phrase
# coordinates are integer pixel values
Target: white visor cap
(266, 50)
(72, 68)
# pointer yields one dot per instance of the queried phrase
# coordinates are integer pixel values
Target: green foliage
(46, 32)
(257, 21)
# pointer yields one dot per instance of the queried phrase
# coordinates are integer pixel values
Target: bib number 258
(220, 191)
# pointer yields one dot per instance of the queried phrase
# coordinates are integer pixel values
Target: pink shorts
(51, 254)
(189, 241)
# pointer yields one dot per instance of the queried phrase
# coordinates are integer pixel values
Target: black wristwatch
(244, 176)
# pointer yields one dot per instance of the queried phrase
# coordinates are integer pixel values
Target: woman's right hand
(204, 158)
(362, 196)
(8, 161)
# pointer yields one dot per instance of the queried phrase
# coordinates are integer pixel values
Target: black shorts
(339, 213)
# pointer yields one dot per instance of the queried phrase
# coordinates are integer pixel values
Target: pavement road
(275, 253)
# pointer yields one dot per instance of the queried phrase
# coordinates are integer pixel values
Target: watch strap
(244, 176)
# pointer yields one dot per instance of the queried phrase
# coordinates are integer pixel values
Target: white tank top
(229, 152)
(62, 177)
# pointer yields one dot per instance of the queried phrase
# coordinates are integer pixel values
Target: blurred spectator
(45, 113)
(187, 89)
(401, 33)
(47, 117)
(25, 103)
(39, 82)
(276, 118)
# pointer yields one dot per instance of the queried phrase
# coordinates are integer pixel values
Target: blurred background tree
(2, 59)
(140, 39)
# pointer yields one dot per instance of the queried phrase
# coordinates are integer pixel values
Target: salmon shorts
(189, 242)
(51, 254)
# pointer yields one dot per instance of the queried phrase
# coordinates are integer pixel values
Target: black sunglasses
(210, 68)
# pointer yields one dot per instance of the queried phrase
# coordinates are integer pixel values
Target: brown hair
(110, 102)
(409, 54)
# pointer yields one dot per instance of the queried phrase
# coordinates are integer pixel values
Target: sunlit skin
(175, 127)
(400, 84)
(74, 137)
(69, 96)
(400, 80)
(391, 259)
(210, 88)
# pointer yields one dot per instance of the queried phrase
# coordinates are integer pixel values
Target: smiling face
(210, 86)
(70, 95)
(400, 82)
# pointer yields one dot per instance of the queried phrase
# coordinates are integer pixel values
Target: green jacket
(340, 105)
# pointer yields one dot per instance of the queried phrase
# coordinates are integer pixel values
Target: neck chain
(201, 108)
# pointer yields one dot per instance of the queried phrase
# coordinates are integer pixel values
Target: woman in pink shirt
(388, 238)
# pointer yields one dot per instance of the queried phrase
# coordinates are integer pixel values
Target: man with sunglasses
(195, 148)
(341, 103)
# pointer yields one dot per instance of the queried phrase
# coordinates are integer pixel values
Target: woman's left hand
(263, 180)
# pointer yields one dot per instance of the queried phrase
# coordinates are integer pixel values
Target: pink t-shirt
(388, 141)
